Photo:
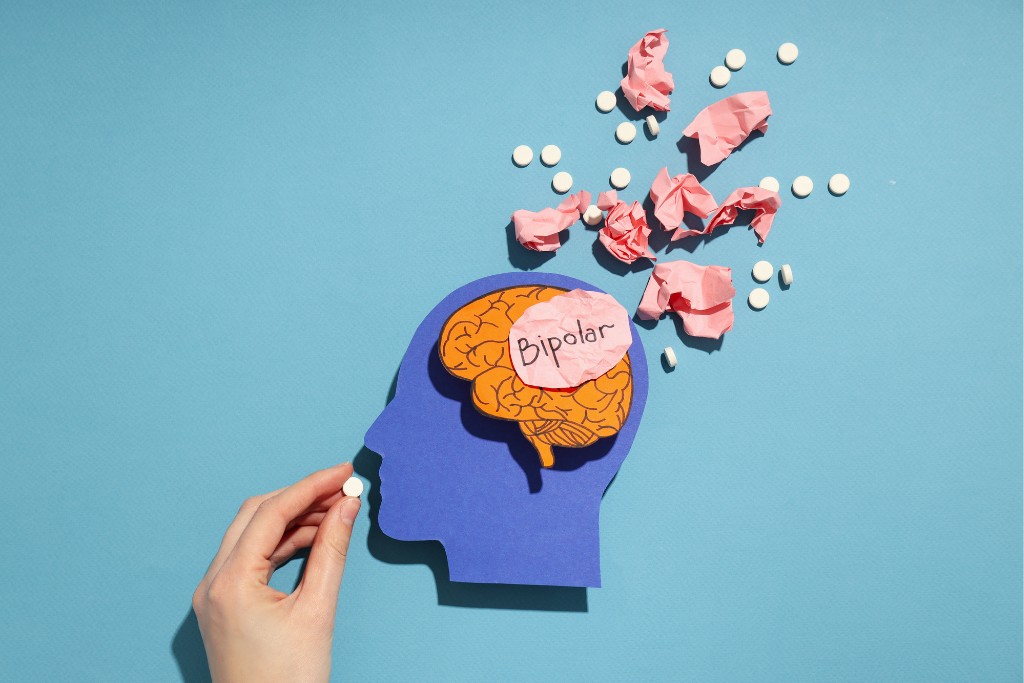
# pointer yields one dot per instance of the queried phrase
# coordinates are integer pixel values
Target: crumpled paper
(721, 127)
(539, 230)
(674, 196)
(625, 230)
(765, 201)
(700, 295)
(570, 339)
(646, 81)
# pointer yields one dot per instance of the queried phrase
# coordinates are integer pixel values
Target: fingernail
(349, 510)
(343, 464)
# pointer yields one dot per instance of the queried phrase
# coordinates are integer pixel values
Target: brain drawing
(474, 346)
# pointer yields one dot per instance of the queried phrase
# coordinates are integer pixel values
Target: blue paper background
(220, 224)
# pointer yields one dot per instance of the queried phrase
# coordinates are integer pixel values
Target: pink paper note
(570, 339)
(765, 201)
(646, 80)
(539, 230)
(607, 200)
(721, 127)
(674, 196)
(625, 230)
(700, 295)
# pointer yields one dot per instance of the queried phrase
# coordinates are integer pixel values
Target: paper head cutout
(452, 473)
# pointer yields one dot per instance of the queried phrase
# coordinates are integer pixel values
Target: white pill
(620, 178)
(762, 271)
(550, 155)
(838, 184)
(758, 298)
(788, 53)
(735, 59)
(522, 155)
(606, 101)
(787, 275)
(625, 132)
(670, 357)
(562, 182)
(353, 487)
(802, 186)
(769, 183)
(593, 215)
(720, 76)
(652, 125)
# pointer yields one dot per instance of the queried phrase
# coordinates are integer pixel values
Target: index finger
(264, 531)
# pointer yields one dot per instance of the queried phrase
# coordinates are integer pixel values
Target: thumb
(322, 578)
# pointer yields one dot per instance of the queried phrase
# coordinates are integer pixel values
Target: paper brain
(474, 346)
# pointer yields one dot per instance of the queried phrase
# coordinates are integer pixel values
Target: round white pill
(606, 101)
(522, 156)
(620, 178)
(735, 59)
(758, 298)
(550, 155)
(787, 275)
(625, 132)
(652, 125)
(670, 357)
(838, 184)
(788, 53)
(762, 271)
(562, 182)
(720, 76)
(593, 215)
(353, 487)
(802, 186)
(769, 183)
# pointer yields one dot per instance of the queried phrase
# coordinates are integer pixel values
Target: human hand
(254, 633)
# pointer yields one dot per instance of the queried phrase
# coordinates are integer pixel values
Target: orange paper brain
(474, 346)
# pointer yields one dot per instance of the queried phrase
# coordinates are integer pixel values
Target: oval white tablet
(652, 125)
(769, 183)
(802, 186)
(762, 271)
(625, 132)
(550, 155)
(735, 59)
(620, 178)
(788, 53)
(720, 76)
(787, 275)
(522, 156)
(606, 101)
(562, 182)
(670, 357)
(838, 184)
(593, 215)
(353, 487)
(758, 298)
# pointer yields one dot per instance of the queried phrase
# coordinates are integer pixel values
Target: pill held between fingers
(788, 53)
(787, 275)
(670, 357)
(625, 132)
(353, 487)
(620, 178)
(550, 155)
(802, 186)
(758, 298)
(606, 101)
(762, 271)
(769, 183)
(720, 76)
(838, 184)
(562, 182)
(593, 215)
(522, 156)
(652, 125)
(735, 59)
